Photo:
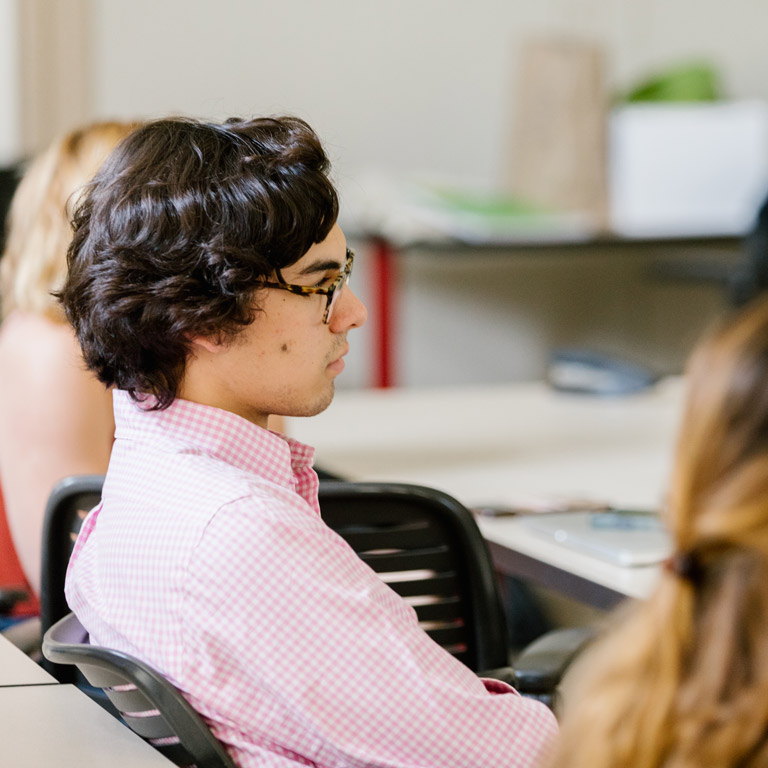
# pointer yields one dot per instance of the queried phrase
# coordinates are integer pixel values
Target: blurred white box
(687, 169)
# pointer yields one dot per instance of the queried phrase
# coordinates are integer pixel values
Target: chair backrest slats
(439, 559)
(99, 677)
(410, 535)
(149, 727)
(430, 586)
(426, 546)
(442, 609)
(450, 636)
(129, 699)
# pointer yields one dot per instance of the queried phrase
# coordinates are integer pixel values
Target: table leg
(382, 263)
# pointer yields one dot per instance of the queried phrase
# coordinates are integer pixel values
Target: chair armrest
(504, 674)
(541, 665)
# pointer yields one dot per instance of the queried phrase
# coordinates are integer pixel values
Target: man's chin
(312, 409)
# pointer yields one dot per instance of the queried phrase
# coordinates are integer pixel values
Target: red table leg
(382, 280)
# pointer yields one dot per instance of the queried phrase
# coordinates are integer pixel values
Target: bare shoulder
(43, 362)
(30, 337)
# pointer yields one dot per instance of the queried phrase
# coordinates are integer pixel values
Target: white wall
(427, 88)
(9, 84)
(409, 85)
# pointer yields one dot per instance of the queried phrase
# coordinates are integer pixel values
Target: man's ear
(209, 344)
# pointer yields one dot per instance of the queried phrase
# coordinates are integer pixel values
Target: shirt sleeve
(292, 636)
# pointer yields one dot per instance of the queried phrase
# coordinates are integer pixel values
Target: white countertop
(58, 725)
(16, 668)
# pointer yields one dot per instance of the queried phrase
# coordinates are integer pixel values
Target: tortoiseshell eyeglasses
(331, 293)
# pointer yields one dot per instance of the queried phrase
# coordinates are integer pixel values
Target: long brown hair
(681, 679)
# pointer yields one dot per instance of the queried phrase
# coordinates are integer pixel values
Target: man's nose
(349, 312)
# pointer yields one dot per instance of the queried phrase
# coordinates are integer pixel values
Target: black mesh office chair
(428, 548)
(69, 503)
(424, 543)
(147, 702)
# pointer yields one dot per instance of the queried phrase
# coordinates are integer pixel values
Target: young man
(207, 284)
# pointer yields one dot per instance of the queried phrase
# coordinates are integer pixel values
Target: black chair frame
(69, 501)
(426, 537)
(147, 702)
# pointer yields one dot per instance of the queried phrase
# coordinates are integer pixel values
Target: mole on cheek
(284, 348)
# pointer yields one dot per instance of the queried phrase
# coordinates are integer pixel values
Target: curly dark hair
(175, 233)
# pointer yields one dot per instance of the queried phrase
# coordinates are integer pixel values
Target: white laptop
(619, 539)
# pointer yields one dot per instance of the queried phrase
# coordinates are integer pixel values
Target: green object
(486, 217)
(691, 82)
(485, 204)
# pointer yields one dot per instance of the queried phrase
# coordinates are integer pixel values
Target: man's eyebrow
(321, 266)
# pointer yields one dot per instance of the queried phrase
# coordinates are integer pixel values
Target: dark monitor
(9, 179)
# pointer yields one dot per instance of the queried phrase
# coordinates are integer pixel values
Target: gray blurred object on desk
(589, 372)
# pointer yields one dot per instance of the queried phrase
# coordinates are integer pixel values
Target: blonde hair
(38, 227)
(681, 680)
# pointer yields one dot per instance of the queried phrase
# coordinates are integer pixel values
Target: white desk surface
(16, 668)
(631, 582)
(51, 725)
(500, 445)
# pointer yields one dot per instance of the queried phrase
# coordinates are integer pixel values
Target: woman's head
(681, 680)
(38, 228)
(719, 491)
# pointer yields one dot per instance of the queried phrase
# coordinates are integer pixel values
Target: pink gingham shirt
(208, 559)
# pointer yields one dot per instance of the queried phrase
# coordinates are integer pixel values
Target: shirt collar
(202, 429)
